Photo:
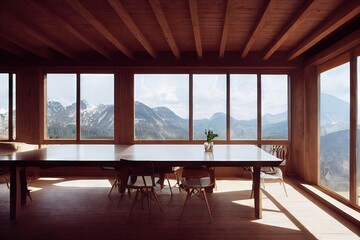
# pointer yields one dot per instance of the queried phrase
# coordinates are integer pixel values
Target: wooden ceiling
(152, 29)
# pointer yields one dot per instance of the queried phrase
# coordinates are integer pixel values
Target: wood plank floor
(79, 208)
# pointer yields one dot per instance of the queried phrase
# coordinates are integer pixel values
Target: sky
(95, 88)
(172, 91)
(336, 82)
(209, 93)
(4, 92)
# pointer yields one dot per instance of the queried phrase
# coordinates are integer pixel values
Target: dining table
(113, 155)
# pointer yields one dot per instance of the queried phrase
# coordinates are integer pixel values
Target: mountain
(96, 122)
(334, 114)
(159, 123)
(3, 124)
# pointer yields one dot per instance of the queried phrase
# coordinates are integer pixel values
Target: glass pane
(4, 106)
(335, 129)
(209, 110)
(243, 106)
(61, 106)
(161, 106)
(97, 106)
(358, 134)
(274, 94)
(14, 106)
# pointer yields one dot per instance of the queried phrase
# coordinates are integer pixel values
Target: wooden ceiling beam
(39, 34)
(77, 6)
(259, 24)
(326, 27)
(131, 25)
(226, 28)
(58, 47)
(43, 53)
(160, 16)
(196, 27)
(295, 21)
(10, 47)
(59, 19)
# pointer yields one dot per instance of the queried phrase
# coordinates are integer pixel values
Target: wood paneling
(28, 105)
(126, 113)
(309, 171)
(294, 167)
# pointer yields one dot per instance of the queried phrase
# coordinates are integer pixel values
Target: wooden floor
(74, 208)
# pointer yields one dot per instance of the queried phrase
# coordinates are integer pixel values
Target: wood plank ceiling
(132, 29)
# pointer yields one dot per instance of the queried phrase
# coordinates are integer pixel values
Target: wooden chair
(142, 180)
(274, 174)
(4, 172)
(194, 181)
(164, 174)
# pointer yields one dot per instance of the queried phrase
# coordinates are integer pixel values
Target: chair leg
(282, 181)
(177, 184)
(7, 182)
(167, 178)
(188, 195)
(148, 200)
(157, 199)
(133, 203)
(207, 203)
(115, 184)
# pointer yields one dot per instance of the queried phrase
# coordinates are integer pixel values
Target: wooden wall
(28, 105)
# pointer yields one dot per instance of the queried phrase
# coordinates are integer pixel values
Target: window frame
(227, 72)
(12, 88)
(351, 57)
(77, 138)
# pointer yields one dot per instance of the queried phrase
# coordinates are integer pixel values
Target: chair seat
(276, 174)
(197, 183)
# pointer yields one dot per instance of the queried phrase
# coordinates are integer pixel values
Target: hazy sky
(209, 93)
(4, 92)
(172, 91)
(95, 88)
(336, 82)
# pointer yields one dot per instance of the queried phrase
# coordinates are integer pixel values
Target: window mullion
(259, 130)
(191, 128)
(78, 104)
(10, 110)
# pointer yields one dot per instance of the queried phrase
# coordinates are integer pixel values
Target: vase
(208, 146)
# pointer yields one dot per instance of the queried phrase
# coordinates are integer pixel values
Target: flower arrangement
(209, 145)
(210, 135)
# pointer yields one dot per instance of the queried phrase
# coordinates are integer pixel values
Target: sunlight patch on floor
(93, 183)
(50, 179)
(223, 186)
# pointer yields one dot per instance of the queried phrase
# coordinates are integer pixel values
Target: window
(61, 106)
(274, 106)
(167, 106)
(335, 129)
(7, 106)
(358, 133)
(161, 106)
(209, 105)
(97, 106)
(4, 106)
(243, 106)
(92, 111)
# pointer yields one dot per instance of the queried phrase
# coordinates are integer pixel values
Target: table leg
(257, 192)
(15, 192)
(23, 185)
(123, 175)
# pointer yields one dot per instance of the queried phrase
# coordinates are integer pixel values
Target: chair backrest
(280, 151)
(198, 173)
(195, 173)
(143, 169)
